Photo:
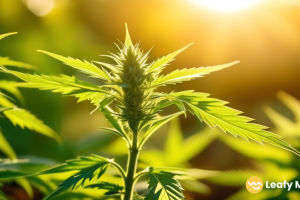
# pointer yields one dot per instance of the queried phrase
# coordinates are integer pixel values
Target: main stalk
(131, 170)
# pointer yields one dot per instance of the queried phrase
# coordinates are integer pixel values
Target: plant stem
(131, 169)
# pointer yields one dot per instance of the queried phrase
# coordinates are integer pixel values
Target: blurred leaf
(24, 183)
(12, 87)
(256, 151)
(291, 102)
(7, 62)
(8, 174)
(43, 185)
(7, 34)
(3, 196)
(88, 167)
(25, 166)
(162, 184)
(185, 74)
(195, 186)
(6, 148)
(245, 194)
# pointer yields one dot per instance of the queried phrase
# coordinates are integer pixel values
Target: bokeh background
(264, 37)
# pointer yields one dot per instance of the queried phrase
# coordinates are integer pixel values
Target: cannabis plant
(129, 100)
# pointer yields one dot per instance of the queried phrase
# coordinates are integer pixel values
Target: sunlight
(226, 5)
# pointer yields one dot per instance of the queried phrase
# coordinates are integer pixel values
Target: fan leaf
(160, 64)
(178, 76)
(214, 113)
(83, 66)
(6, 148)
(86, 168)
(163, 185)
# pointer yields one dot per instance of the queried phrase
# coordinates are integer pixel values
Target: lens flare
(226, 5)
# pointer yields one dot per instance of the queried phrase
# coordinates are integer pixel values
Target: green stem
(131, 169)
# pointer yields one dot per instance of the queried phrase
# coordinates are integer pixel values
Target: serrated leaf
(113, 120)
(86, 168)
(83, 66)
(178, 76)
(163, 186)
(24, 118)
(160, 64)
(8, 62)
(12, 87)
(6, 148)
(111, 187)
(156, 124)
(214, 113)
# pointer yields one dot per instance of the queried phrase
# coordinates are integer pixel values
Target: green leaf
(83, 66)
(113, 119)
(6, 148)
(12, 87)
(3, 196)
(86, 168)
(7, 62)
(155, 124)
(22, 167)
(178, 76)
(111, 187)
(66, 85)
(24, 118)
(214, 113)
(24, 183)
(2, 109)
(7, 34)
(9, 174)
(160, 64)
(163, 185)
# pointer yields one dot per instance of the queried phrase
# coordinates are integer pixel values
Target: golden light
(227, 5)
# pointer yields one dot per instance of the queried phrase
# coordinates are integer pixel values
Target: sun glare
(227, 5)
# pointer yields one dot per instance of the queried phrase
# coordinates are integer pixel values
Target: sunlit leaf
(8, 62)
(163, 185)
(178, 76)
(160, 64)
(83, 66)
(86, 169)
(214, 113)
(11, 87)
(24, 183)
(6, 148)
(7, 34)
